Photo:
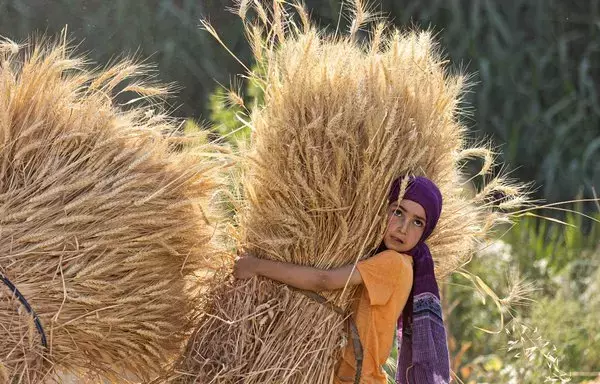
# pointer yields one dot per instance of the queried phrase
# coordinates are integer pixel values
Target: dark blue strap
(30, 310)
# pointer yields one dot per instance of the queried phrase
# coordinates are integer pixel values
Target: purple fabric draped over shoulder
(422, 347)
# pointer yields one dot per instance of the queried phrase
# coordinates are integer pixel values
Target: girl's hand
(245, 266)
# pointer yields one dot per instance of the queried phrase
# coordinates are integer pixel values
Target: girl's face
(406, 223)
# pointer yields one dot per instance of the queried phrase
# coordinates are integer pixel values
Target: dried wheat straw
(100, 226)
(340, 121)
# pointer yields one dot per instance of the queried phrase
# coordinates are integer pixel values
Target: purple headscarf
(422, 347)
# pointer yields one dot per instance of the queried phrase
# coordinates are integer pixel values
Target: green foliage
(229, 111)
(196, 133)
(226, 118)
(546, 339)
(546, 249)
(571, 325)
(162, 32)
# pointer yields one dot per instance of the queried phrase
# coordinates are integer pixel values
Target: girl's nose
(403, 226)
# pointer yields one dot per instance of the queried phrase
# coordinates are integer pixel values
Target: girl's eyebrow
(417, 216)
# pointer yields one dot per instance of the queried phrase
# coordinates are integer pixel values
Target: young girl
(398, 280)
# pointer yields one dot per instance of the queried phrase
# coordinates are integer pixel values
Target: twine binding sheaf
(23, 300)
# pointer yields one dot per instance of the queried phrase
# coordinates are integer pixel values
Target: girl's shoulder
(391, 254)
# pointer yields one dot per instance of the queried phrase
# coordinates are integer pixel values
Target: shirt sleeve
(383, 273)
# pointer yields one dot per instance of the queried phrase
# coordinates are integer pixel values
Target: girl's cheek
(416, 235)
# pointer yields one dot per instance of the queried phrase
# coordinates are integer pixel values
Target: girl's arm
(297, 276)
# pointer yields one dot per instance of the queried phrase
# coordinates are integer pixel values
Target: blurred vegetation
(166, 33)
(554, 333)
(228, 110)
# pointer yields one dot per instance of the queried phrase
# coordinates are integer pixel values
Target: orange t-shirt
(387, 281)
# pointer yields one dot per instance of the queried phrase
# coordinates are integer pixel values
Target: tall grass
(552, 337)
(165, 32)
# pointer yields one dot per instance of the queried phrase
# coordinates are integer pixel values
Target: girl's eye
(397, 212)
(419, 223)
